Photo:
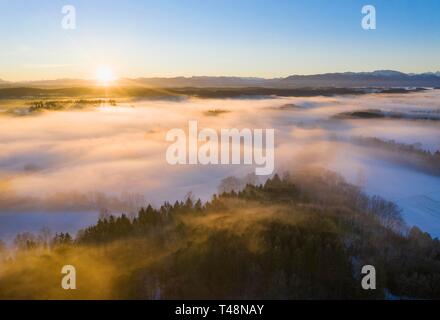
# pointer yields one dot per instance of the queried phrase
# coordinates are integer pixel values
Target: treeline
(415, 155)
(63, 104)
(416, 148)
(43, 239)
(293, 237)
(72, 201)
(382, 114)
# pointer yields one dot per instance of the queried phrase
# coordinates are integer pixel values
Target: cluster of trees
(215, 112)
(416, 156)
(62, 104)
(44, 239)
(377, 113)
(416, 148)
(303, 236)
(70, 201)
(46, 105)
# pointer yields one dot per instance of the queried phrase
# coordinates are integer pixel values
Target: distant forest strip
(158, 93)
(415, 156)
(392, 145)
(63, 104)
(432, 115)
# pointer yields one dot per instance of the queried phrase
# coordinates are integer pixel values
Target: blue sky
(215, 37)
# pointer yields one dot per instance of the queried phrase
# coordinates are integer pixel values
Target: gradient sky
(215, 37)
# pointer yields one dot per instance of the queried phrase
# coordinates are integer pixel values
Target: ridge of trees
(318, 234)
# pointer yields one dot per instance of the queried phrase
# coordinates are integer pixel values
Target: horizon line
(223, 76)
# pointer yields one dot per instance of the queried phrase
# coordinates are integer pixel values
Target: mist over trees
(294, 237)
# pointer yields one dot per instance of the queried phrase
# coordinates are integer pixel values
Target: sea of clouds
(60, 163)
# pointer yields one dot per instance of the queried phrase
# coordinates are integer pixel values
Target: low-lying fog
(58, 168)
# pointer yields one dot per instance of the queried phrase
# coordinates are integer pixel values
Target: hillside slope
(299, 237)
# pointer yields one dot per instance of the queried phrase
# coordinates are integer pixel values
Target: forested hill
(302, 236)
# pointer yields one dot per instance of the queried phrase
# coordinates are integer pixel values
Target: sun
(105, 76)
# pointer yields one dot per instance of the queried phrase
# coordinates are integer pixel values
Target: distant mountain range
(379, 78)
